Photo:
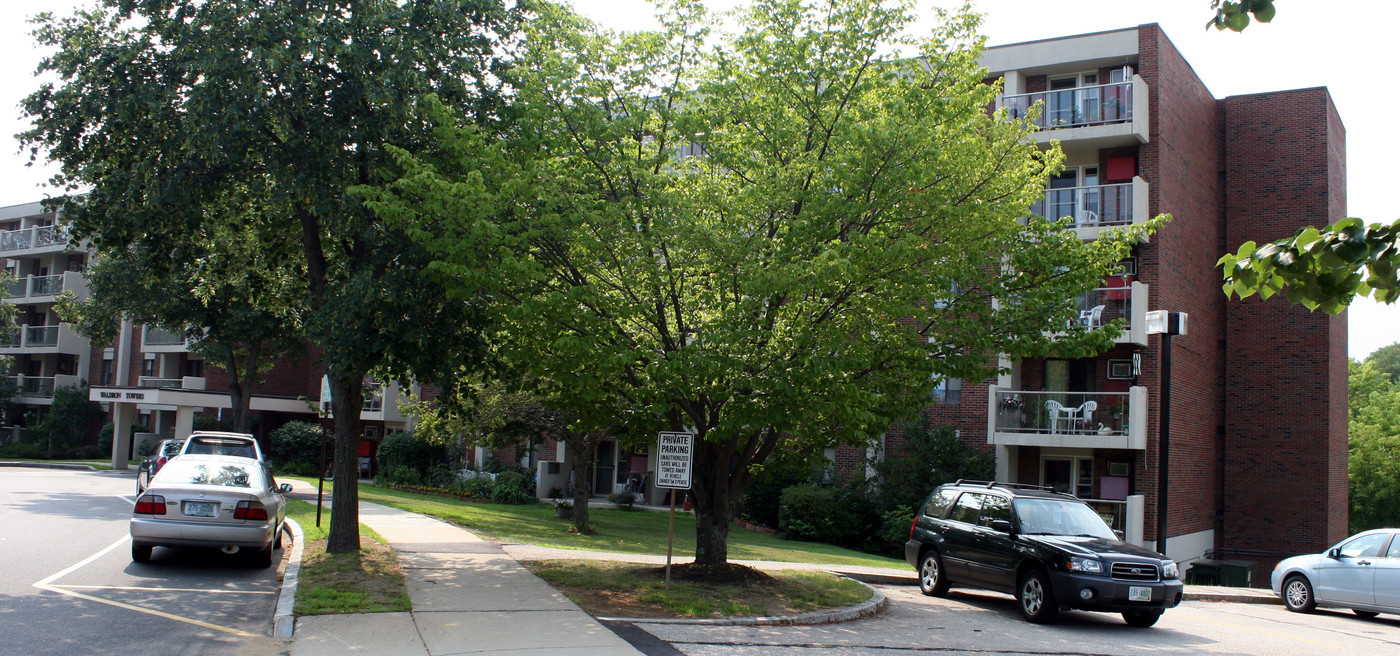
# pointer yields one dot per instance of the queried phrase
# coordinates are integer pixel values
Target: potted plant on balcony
(1009, 412)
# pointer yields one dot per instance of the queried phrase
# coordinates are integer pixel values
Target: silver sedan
(1361, 572)
(228, 502)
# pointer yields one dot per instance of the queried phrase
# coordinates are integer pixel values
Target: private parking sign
(674, 459)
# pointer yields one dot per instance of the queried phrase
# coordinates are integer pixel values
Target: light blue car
(1362, 573)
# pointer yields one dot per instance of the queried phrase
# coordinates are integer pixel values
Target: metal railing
(34, 386)
(40, 335)
(1062, 413)
(1099, 205)
(33, 237)
(374, 397)
(30, 286)
(1070, 108)
(1101, 306)
(158, 337)
(151, 381)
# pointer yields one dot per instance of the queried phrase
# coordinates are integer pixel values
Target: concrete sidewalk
(469, 597)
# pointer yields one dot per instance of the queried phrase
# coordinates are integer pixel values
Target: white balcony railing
(41, 287)
(152, 381)
(32, 238)
(374, 397)
(1081, 106)
(1099, 205)
(42, 387)
(1070, 419)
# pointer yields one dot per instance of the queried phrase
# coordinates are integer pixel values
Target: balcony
(44, 339)
(33, 240)
(1105, 304)
(1093, 209)
(1092, 420)
(156, 340)
(39, 389)
(42, 289)
(1098, 116)
(187, 382)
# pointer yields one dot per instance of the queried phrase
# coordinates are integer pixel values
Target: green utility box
(1236, 573)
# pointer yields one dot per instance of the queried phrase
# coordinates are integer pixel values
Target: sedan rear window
(185, 472)
(221, 446)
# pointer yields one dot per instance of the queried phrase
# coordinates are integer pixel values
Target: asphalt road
(70, 587)
(982, 623)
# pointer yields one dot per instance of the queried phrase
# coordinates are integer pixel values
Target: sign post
(673, 465)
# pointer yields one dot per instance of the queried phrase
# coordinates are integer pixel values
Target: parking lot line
(148, 611)
(54, 577)
(144, 589)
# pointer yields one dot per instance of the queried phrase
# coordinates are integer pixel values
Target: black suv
(1048, 548)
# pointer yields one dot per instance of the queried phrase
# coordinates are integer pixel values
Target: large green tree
(1373, 468)
(235, 295)
(163, 108)
(783, 236)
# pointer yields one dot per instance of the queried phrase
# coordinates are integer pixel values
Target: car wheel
(1036, 600)
(140, 553)
(263, 557)
(1368, 614)
(1141, 618)
(1298, 594)
(932, 580)
(277, 542)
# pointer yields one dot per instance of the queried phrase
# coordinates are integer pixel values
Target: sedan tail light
(250, 510)
(151, 504)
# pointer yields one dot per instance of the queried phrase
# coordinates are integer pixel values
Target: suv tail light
(250, 510)
(913, 524)
(151, 504)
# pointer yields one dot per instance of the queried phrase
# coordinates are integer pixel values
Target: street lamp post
(1166, 324)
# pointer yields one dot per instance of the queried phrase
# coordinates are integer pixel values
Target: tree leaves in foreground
(778, 238)
(1319, 269)
(1234, 14)
(164, 109)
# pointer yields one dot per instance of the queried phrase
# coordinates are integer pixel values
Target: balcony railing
(40, 336)
(374, 397)
(42, 387)
(1071, 419)
(151, 381)
(158, 337)
(1081, 106)
(34, 237)
(1100, 205)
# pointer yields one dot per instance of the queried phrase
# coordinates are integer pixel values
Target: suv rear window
(939, 502)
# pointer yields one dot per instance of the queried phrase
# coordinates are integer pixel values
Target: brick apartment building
(1258, 417)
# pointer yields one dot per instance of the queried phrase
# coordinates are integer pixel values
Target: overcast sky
(1309, 44)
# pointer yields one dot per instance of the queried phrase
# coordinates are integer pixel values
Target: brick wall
(1285, 446)
(1182, 162)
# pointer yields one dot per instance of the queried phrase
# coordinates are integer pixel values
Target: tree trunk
(240, 386)
(714, 504)
(585, 449)
(347, 400)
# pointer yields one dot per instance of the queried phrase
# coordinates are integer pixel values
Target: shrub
(21, 450)
(477, 487)
(822, 514)
(402, 475)
(104, 435)
(512, 487)
(623, 499)
(401, 449)
(929, 457)
(296, 448)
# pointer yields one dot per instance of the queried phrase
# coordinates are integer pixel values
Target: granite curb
(284, 620)
(876, 604)
(49, 465)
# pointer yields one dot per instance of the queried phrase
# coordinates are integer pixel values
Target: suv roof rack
(1014, 486)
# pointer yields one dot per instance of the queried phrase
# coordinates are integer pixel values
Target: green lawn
(623, 531)
(367, 581)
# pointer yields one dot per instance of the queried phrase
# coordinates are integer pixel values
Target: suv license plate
(200, 509)
(1139, 593)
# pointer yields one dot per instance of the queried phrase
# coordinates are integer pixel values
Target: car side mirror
(1001, 525)
(285, 487)
(1334, 553)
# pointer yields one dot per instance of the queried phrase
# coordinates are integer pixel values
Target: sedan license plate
(201, 509)
(1139, 593)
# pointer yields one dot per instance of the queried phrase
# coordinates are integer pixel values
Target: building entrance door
(605, 468)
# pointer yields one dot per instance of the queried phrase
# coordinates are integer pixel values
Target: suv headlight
(1086, 565)
(1170, 570)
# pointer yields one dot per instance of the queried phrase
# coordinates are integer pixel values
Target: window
(968, 509)
(1394, 549)
(106, 372)
(940, 502)
(948, 391)
(194, 368)
(148, 367)
(1366, 546)
(994, 508)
